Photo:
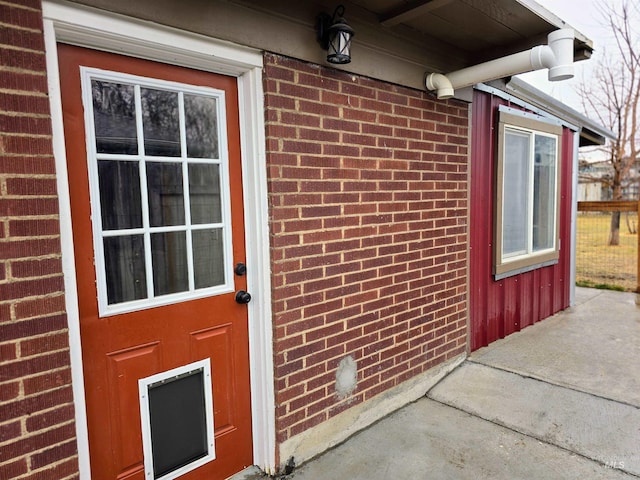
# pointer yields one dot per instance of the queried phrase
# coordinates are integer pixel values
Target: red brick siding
(37, 431)
(368, 197)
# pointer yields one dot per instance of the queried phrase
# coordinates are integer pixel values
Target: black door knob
(243, 297)
(240, 269)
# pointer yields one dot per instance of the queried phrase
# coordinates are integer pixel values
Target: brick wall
(37, 431)
(368, 197)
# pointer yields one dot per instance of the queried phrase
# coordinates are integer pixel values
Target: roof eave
(591, 133)
(583, 44)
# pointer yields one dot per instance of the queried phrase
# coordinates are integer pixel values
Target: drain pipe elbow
(541, 57)
(441, 84)
(557, 56)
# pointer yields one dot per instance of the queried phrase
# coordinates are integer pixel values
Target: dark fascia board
(546, 21)
(582, 44)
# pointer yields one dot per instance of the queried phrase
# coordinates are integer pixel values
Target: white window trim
(512, 265)
(93, 28)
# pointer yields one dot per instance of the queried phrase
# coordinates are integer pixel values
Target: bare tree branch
(612, 97)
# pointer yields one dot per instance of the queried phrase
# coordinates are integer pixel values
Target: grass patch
(601, 286)
(599, 265)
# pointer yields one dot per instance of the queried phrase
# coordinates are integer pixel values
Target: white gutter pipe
(557, 56)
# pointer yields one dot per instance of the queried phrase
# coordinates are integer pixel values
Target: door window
(158, 174)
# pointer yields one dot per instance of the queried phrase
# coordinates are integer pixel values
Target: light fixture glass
(335, 35)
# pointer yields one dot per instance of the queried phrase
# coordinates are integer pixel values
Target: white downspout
(557, 56)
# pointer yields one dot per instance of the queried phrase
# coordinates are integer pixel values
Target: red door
(155, 182)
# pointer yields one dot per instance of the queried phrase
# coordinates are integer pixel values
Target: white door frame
(92, 28)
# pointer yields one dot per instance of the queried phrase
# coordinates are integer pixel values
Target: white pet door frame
(176, 409)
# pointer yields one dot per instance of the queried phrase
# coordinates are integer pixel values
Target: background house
(349, 202)
(594, 180)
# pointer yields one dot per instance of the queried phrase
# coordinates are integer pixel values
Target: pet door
(176, 409)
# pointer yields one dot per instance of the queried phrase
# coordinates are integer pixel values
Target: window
(527, 194)
(158, 179)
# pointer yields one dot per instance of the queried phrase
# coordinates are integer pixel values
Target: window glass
(166, 194)
(125, 266)
(544, 195)
(114, 117)
(208, 256)
(120, 197)
(201, 126)
(204, 193)
(516, 189)
(161, 122)
(169, 260)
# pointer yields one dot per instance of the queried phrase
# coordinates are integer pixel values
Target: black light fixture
(335, 34)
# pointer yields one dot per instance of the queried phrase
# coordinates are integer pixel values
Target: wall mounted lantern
(334, 34)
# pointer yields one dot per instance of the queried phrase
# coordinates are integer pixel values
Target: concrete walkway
(559, 400)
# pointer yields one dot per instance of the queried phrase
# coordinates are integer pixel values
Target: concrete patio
(560, 400)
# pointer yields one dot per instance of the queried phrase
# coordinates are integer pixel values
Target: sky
(584, 16)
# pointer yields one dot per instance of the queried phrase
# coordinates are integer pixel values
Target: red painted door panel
(119, 349)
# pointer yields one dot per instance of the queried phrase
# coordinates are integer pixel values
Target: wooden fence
(617, 206)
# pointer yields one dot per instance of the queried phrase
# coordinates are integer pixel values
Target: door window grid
(217, 225)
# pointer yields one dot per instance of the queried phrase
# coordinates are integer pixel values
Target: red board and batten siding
(368, 199)
(499, 308)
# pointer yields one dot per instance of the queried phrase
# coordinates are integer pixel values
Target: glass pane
(161, 124)
(204, 193)
(114, 116)
(544, 193)
(201, 121)
(169, 260)
(515, 193)
(166, 194)
(208, 257)
(120, 200)
(124, 265)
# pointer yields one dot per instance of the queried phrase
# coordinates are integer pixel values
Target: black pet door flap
(176, 407)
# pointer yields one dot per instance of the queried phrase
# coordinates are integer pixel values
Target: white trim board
(92, 28)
